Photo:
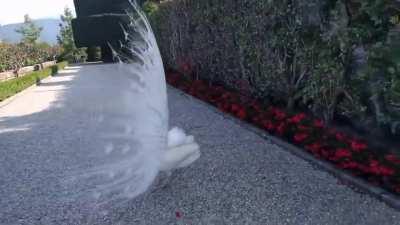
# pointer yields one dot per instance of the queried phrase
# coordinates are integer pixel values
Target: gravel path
(240, 179)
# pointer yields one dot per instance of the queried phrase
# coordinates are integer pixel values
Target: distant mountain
(49, 34)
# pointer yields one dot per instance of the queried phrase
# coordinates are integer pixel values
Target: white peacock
(147, 145)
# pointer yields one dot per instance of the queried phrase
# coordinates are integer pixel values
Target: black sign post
(98, 23)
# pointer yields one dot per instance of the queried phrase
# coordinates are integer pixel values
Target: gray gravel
(240, 179)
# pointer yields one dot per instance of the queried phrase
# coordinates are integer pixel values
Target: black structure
(98, 23)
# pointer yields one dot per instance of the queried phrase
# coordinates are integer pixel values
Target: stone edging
(9, 75)
(350, 180)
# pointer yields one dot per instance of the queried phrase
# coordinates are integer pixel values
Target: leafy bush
(15, 56)
(331, 57)
(12, 87)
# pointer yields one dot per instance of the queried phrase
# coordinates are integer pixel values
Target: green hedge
(330, 57)
(14, 86)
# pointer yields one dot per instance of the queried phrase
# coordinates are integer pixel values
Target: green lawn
(12, 87)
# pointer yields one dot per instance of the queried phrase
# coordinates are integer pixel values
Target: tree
(29, 31)
(66, 40)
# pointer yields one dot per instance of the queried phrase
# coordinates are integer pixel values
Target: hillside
(49, 33)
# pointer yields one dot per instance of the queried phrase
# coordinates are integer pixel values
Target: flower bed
(344, 151)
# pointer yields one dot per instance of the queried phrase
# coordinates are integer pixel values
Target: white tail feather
(136, 138)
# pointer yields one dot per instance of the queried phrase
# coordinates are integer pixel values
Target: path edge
(350, 180)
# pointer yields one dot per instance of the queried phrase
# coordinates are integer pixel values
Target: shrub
(331, 57)
(12, 87)
(15, 56)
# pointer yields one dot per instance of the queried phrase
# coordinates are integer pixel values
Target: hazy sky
(13, 11)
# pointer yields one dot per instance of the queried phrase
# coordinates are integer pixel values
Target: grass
(14, 86)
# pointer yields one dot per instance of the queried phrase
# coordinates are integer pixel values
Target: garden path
(241, 178)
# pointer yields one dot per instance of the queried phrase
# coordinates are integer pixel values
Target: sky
(13, 11)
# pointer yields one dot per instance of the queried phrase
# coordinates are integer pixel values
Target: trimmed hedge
(14, 86)
(331, 58)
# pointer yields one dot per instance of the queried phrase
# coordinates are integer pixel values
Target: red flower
(377, 169)
(276, 120)
(363, 168)
(373, 163)
(185, 66)
(277, 113)
(314, 147)
(297, 118)
(225, 95)
(281, 128)
(223, 107)
(268, 125)
(392, 158)
(318, 124)
(358, 146)
(300, 137)
(234, 108)
(220, 106)
(241, 114)
(302, 127)
(342, 153)
(340, 136)
(386, 171)
(255, 106)
(255, 120)
(178, 214)
(325, 153)
(348, 165)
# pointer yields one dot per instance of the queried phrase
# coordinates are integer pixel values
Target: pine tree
(29, 31)
(66, 40)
